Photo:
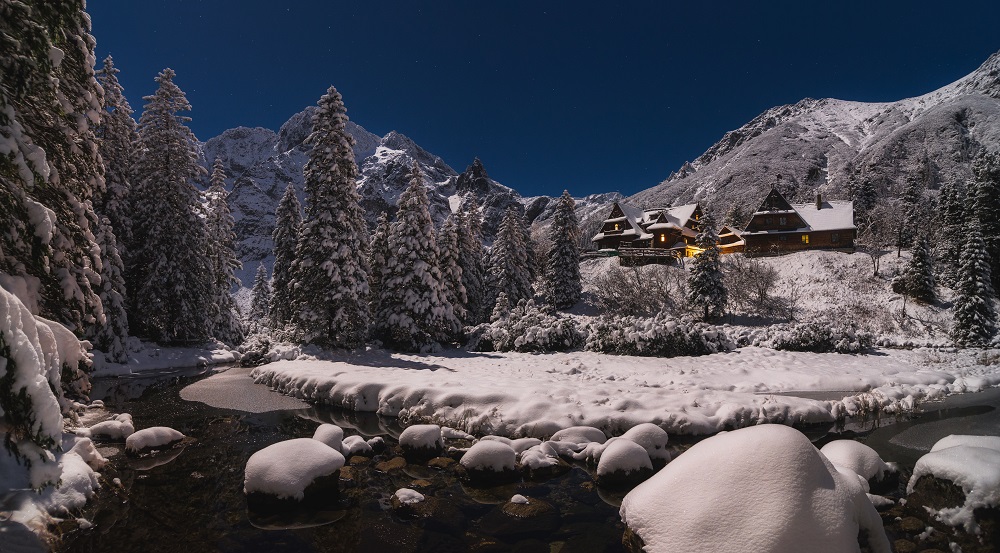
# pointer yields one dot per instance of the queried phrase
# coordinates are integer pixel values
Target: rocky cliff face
(825, 145)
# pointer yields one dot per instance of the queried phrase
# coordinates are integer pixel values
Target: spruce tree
(260, 299)
(706, 286)
(531, 259)
(509, 260)
(111, 337)
(226, 325)
(471, 260)
(986, 202)
(330, 272)
(915, 213)
(917, 278)
(116, 134)
(562, 270)
(449, 261)
(414, 312)
(171, 273)
(378, 254)
(951, 218)
(288, 218)
(975, 317)
(501, 310)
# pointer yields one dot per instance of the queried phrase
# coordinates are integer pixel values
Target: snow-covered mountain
(260, 164)
(823, 145)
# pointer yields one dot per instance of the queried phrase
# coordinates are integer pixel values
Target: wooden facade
(779, 226)
(671, 231)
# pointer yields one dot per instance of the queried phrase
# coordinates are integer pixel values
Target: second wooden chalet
(670, 230)
(778, 226)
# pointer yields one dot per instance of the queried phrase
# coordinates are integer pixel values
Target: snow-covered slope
(822, 145)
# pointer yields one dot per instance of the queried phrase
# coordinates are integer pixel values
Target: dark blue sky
(586, 96)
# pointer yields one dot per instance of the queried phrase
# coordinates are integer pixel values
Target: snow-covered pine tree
(471, 258)
(531, 259)
(914, 216)
(288, 219)
(378, 253)
(449, 263)
(51, 171)
(975, 317)
(509, 260)
(706, 286)
(226, 324)
(414, 312)
(260, 298)
(117, 135)
(112, 336)
(951, 218)
(917, 278)
(864, 195)
(562, 270)
(171, 272)
(986, 206)
(330, 273)
(501, 310)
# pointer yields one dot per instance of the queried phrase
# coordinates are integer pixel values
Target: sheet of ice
(408, 496)
(331, 435)
(152, 437)
(758, 489)
(520, 394)
(974, 469)
(489, 455)
(287, 468)
(234, 389)
(422, 436)
(623, 456)
(857, 457)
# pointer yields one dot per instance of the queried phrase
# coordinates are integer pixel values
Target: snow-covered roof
(682, 214)
(833, 216)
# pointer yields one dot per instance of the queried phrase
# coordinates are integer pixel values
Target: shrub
(659, 336)
(528, 327)
(817, 337)
(639, 291)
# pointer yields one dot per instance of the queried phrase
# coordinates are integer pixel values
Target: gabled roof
(774, 202)
(833, 216)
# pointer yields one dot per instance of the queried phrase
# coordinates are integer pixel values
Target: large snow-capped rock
(824, 145)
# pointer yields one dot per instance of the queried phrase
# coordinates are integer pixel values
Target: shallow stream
(191, 499)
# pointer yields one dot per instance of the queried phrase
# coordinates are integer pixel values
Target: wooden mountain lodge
(664, 234)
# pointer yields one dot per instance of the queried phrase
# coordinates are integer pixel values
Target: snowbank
(519, 394)
(146, 356)
(973, 468)
(287, 468)
(756, 490)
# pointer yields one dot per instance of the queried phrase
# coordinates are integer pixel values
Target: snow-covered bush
(814, 336)
(660, 336)
(528, 327)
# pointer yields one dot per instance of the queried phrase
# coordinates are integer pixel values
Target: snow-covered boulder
(421, 442)
(653, 439)
(153, 438)
(623, 463)
(519, 445)
(331, 435)
(580, 435)
(408, 496)
(543, 461)
(293, 470)
(755, 490)
(356, 445)
(958, 485)
(859, 459)
(489, 461)
(118, 427)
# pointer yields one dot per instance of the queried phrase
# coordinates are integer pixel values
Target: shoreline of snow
(520, 394)
(146, 357)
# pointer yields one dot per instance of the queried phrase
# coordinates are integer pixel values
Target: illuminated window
(805, 238)
(616, 226)
(663, 238)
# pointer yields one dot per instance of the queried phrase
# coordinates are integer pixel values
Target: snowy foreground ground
(536, 394)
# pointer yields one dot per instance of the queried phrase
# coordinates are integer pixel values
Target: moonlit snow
(421, 436)
(763, 489)
(623, 456)
(148, 438)
(856, 457)
(971, 463)
(287, 468)
(489, 455)
(407, 496)
(331, 435)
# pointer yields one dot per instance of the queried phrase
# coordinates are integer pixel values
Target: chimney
(819, 201)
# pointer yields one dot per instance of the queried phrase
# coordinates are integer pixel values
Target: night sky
(585, 96)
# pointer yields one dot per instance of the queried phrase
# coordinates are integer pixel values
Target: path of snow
(536, 395)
